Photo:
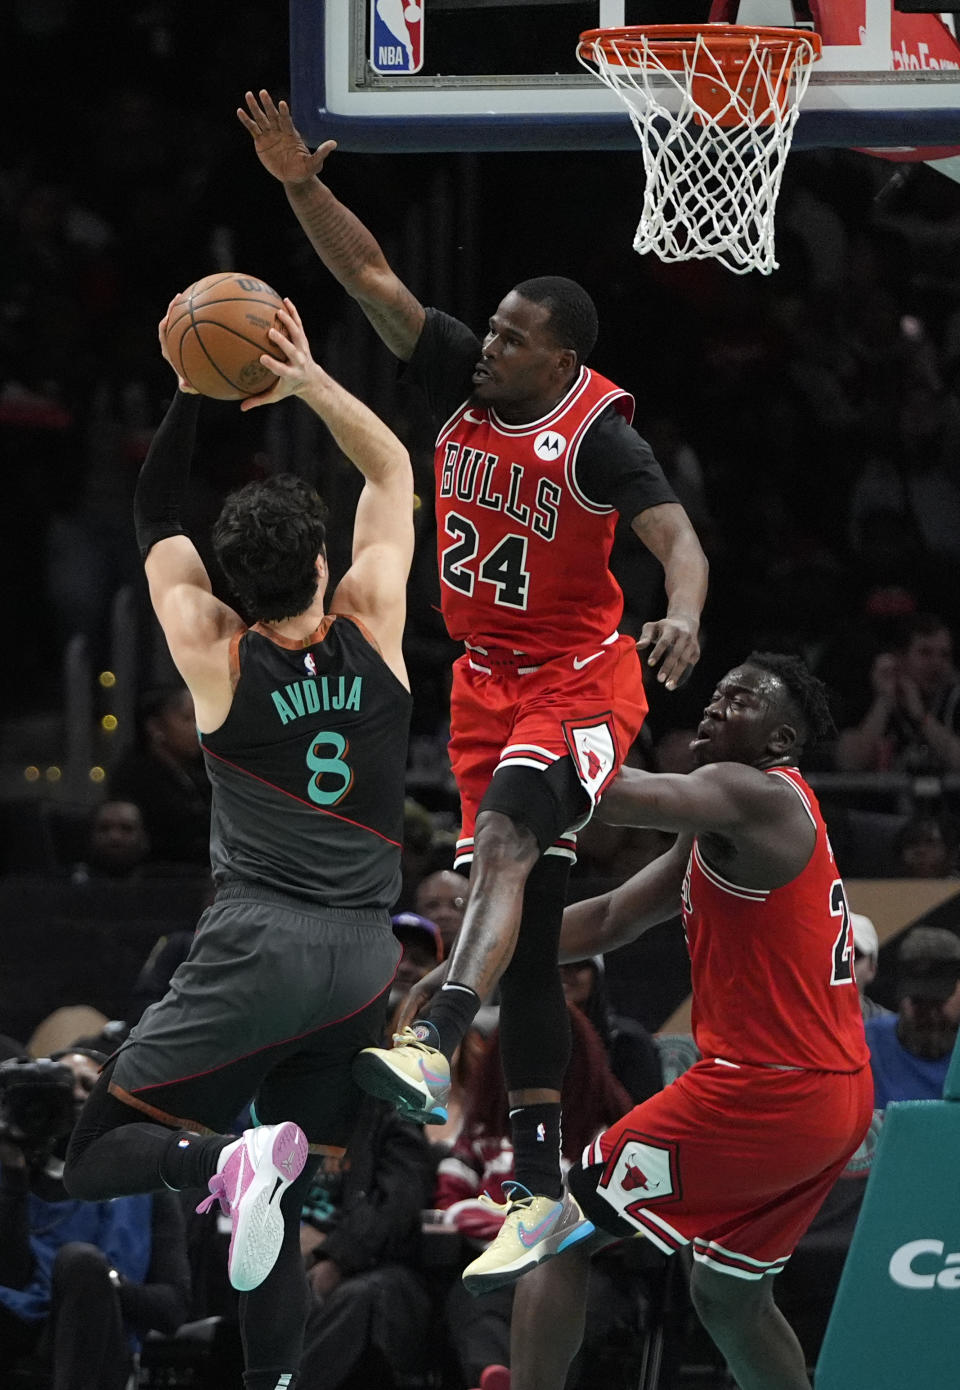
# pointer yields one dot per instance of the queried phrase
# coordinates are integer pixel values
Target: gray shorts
(273, 1002)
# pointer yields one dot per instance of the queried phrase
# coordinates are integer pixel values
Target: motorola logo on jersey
(549, 445)
(396, 36)
(922, 1264)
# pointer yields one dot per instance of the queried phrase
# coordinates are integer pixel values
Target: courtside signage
(894, 1318)
(922, 1264)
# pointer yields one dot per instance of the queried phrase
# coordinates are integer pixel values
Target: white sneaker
(252, 1175)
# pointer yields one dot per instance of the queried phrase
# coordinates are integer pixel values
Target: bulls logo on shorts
(593, 751)
(638, 1173)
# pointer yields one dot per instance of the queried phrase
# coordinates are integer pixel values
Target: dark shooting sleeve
(165, 473)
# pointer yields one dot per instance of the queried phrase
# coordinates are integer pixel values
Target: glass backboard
(420, 75)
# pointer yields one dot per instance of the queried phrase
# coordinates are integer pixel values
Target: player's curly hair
(573, 314)
(808, 694)
(267, 539)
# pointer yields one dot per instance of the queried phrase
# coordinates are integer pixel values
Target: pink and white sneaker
(252, 1175)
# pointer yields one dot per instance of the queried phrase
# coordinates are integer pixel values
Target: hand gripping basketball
(216, 332)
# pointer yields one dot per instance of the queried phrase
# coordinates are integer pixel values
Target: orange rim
(728, 44)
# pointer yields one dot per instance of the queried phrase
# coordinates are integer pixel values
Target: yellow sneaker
(411, 1074)
(535, 1229)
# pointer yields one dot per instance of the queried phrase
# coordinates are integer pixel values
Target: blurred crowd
(810, 423)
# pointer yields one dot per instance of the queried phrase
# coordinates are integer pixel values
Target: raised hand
(279, 145)
(296, 369)
(884, 674)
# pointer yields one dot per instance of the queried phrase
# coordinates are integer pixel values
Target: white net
(714, 133)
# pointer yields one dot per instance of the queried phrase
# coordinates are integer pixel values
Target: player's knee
(724, 1301)
(503, 845)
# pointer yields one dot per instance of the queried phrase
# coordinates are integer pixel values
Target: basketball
(216, 332)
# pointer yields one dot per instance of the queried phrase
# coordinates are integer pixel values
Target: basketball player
(736, 1156)
(535, 459)
(303, 720)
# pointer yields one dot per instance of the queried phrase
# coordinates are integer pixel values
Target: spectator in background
(913, 721)
(442, 897)
(61, 1028)
(919, 480)
(79, 1281)
(417, 848)
(910, 1050)
(168, 952)
(866, 952)
(117, 845)
(631, 1051)
(925, 847)
(164, 775)
(422, 950)
(370, 1312)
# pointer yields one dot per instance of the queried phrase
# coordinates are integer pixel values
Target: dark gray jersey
(308, 768)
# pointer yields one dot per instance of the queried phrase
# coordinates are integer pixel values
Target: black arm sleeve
(163, 1301)
(165, 473)
(442, 363)
(16, 1254)
(615, 467)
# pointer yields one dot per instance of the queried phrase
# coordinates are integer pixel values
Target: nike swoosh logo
(431, 1076)
(530, 1237)
(580, 661)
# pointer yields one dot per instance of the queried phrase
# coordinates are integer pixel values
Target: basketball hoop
(714, 163)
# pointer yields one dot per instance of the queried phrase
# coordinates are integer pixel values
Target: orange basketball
(217, 331)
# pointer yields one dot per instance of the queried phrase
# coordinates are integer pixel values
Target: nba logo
(396, 36)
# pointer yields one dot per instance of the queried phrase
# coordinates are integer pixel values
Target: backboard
(421, 75)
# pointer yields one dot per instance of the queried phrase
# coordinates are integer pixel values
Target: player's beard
(929, 1033)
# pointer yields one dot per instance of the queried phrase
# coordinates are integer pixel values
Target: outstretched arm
(374, 587)
(723, 797)
(348, 250)
(674, 640)
(597, 925)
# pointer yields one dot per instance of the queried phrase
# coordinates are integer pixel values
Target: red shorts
(736, 1159)
(588, 704)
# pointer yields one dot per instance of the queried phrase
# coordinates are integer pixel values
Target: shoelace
(511, 1190)
(218, 1193)
(408, 1038)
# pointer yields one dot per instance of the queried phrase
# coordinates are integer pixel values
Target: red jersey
(772, 969)
(523, 553)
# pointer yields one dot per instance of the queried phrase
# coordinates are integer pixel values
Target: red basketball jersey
(523, 553)
(772, 968)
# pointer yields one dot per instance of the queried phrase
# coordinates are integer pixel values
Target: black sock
(536, 1147)
(451, 1013)
(190, 1160)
